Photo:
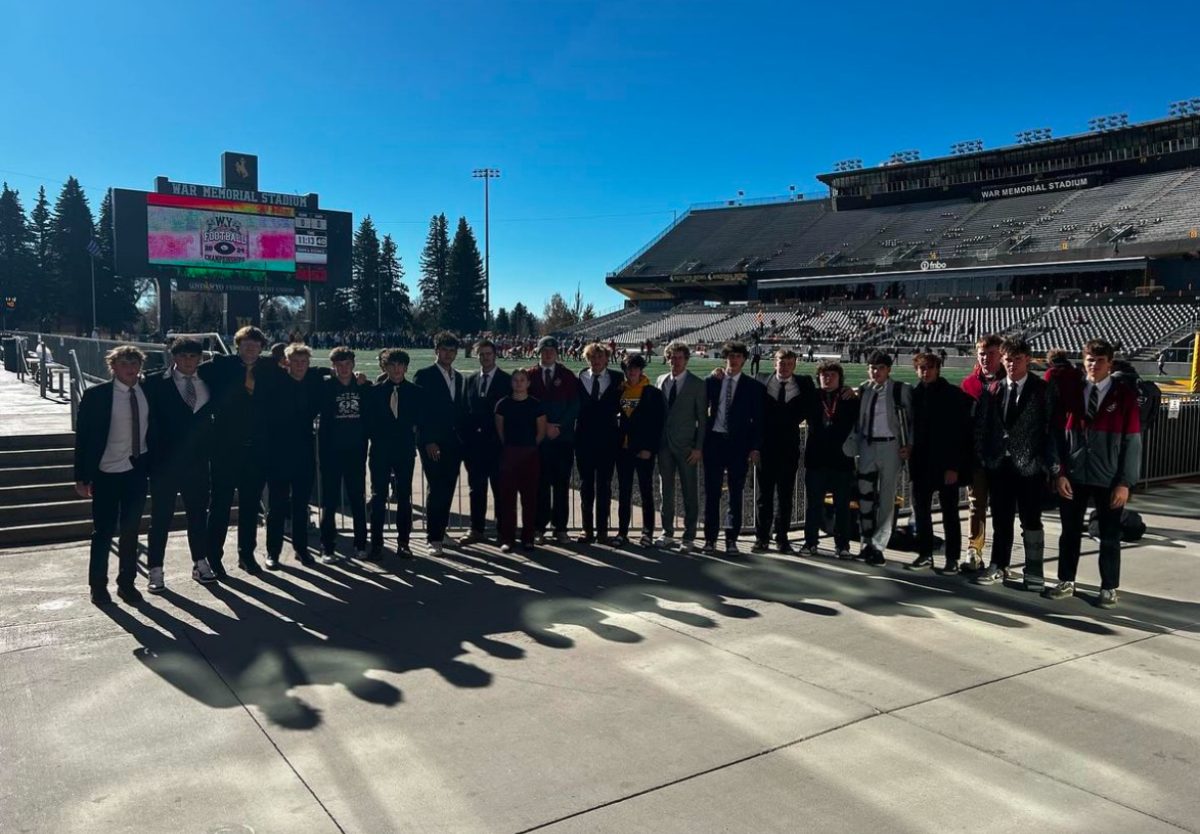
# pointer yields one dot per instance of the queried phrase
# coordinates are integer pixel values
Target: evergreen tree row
(46, 267)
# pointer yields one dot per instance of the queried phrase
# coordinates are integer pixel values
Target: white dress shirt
(118, 451)
(201, 388)
(1103, 385)
(448, 375)
(587, 376)
(881, 427)
(728, 392)
(791, 388)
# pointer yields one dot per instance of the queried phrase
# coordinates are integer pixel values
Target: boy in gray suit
(881, 443)
(682, 445)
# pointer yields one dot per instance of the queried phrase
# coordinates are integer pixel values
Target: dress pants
(923, 490)
(349, 467)
(628, 465)
(383, 469)
(441, 475)
(290, 488)
(117, 504)
(483, 471)
(878, 472)
(1011, 493)
(776, 477)
(723, 459)
(595, 487)
(191, 482)
(672, 462)
(819, 481)
(241, 468)
(519, 470)
(977, 507)
(1073, 512)
(554, 494)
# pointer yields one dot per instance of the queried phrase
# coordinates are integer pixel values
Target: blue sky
(604, 118)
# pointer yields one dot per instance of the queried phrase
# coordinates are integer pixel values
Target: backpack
(1132, 526)
(1149, 395)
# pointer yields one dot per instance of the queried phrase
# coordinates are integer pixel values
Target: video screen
(198, 232)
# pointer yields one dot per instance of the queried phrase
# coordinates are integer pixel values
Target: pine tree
(435, 266)
(40, 225)
(397, 304)
(502, 325)
(116, 295)
(367, 277)
(463, 298)
(72, 228)
(16, 254)
(523, 322)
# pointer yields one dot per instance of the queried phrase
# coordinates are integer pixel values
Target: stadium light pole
(487, 175)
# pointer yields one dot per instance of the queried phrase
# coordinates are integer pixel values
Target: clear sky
(604, 118)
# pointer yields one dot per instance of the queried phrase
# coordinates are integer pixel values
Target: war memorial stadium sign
(1044, 186)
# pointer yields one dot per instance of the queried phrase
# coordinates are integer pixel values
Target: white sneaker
(202, 573)
(156, 585)
(666, 542)
(435, 548)
(330, 558)
(686, 546)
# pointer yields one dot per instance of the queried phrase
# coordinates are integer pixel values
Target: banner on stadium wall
(1020, 189)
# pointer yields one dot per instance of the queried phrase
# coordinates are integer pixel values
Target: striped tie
(135, 419)
(189, 392)
(1093, 402)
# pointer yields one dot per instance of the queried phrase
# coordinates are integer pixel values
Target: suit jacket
(899, 413)
(239, 419)
(1028, 442)
(642, 430)
(745, 417)
(91, 430)
(561, 400)
(941, 437)
(392, 438)
(824, 443)
(481, 437)
(781, 423)
(597, 428)
(180, 440)
(440, 419)
(684, 425)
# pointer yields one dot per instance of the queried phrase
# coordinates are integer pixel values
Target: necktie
(483, 386)
(394, 401)
(595, 387)
(1010, 410)
(135, 419)
(1093, 402)
(782, 395)
(728, 399)
(249, 383)
(547, 376)
(189, 392)
(671, 394)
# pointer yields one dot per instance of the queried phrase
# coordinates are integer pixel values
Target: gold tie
(395, 401)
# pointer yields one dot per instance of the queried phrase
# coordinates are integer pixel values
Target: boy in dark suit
(482, 450)
(733, 440)
(597, 439)
(786, 401)
(440, 424)
(391, 419)
(180, 441)
(555, 387)
(111, 462)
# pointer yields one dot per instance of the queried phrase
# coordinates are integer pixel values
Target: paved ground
(601, 690)
(24, 411)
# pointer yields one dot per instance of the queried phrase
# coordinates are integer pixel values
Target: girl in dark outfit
(521, 424)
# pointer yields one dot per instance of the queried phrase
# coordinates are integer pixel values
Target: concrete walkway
(24, 411)
(589, 689)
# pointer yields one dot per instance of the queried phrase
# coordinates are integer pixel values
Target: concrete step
(73, 531)
(11, 442)
(14, 458)
(29, 475)
(42, 511)
(36, 493)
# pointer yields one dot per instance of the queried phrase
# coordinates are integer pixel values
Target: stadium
(1060, 239)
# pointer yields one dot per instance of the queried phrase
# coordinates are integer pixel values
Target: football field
(855, 373)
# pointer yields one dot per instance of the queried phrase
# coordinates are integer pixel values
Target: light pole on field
(487, 175)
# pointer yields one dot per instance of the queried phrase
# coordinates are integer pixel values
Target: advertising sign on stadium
(1041, 187)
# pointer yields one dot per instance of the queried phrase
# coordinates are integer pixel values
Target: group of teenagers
(202, 430)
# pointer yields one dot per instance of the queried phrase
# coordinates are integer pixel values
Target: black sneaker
(306, 559)
(922, 562)
(404, 551)
(130, 594)
(375, 554)
(101, 596)
(760, 546)
(1107, 598)
(786, 547)
(272, 562)
(1060, 591)
(950, 568)
(249, 564)
(218, 569)
(873, 557)
(990, 575)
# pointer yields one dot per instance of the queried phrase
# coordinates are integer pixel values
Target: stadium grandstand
(1095, 234)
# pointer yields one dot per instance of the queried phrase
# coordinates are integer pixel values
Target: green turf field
(854, 373)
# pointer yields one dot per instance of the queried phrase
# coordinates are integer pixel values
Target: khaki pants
(977, 503)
